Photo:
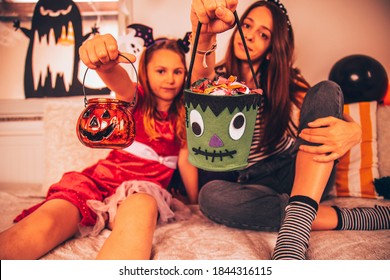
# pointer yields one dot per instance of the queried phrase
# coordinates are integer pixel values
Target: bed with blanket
(194, 237)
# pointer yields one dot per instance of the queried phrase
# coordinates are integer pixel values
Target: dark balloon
(361, 78)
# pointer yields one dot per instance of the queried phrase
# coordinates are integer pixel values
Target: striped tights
(294, 234)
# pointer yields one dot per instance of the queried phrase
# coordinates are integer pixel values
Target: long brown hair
(176, 111)
(280, 81)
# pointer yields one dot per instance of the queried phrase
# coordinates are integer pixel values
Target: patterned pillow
(383, 121)
(63, 150)
(386, 98)
(358, 168)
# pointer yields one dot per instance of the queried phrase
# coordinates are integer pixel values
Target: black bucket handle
(133, 102)
(191, 66)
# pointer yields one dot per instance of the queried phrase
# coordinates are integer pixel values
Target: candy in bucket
(106, 122)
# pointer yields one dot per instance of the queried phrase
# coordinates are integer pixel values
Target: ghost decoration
(220, 129)
(139, 37)
(134, 42)
(129, 43)
(52, 61)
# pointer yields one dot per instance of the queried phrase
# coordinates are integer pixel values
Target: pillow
(386, 98)
(383, 128)
(63, 150)
(358, 168)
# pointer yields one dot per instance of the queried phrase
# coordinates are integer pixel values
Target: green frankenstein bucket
(219, 127)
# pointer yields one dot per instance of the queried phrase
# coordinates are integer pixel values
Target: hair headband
(282, 8)
(146, 33)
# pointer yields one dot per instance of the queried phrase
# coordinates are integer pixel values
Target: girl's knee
(326, 90)
(324, 99)
(136, 207)
(58, 213)
(143, 201)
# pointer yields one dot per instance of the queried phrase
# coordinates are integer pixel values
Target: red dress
(100, 180)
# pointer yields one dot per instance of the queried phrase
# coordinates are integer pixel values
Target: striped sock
(363, 218)
(294, 235)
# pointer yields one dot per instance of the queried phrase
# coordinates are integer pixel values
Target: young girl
(288, 173)
(127, 190)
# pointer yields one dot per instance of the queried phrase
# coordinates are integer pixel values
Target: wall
(327, 31)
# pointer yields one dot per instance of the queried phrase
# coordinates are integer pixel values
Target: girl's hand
(336, 136)
(101, 52)
(216, 16)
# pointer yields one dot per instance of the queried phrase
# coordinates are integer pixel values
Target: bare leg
(310, 176)
(326, 218)
(311, 183)
(310, 180)
(51, 224)
(133, 229)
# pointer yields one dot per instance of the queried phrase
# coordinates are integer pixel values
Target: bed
(193, 238)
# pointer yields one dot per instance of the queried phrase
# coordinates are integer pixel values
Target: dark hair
(280, 81)
(176, 110)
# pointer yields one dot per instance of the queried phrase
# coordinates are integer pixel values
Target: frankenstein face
(220, 129)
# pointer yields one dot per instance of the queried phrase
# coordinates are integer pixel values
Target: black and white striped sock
(363, 218)
(294, 235)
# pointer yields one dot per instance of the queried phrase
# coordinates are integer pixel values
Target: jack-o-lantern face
(106, 123)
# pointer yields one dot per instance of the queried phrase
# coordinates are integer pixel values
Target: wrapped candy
(222, 86)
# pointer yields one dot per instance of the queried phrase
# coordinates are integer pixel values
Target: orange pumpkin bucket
(106, 123)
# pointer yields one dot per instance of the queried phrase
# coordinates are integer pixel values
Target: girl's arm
(216, 17)
(205, 43)
(189, 175)
(117, 79)
(101, 54)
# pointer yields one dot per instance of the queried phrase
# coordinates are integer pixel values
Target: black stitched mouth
(214, 154)
(99, 136)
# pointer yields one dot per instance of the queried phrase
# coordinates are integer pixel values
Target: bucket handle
(191, 66)
(133, 102)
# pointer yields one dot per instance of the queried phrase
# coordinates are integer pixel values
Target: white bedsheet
(200, 238)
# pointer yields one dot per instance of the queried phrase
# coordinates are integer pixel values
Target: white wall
(325, 30)
(328, 30)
